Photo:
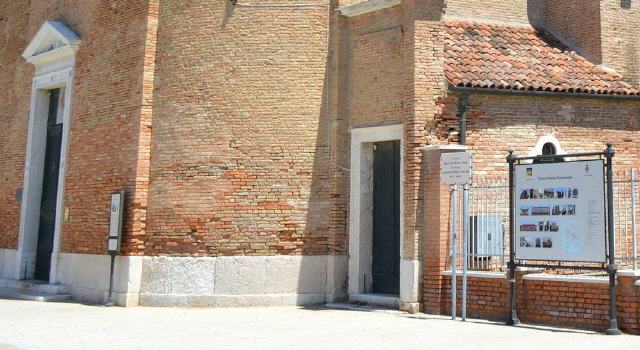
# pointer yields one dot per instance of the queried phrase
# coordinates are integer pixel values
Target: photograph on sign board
(568, 209)
(536, 211)
(548, 226)
(549, 193)
(528, 227)
(527, 242)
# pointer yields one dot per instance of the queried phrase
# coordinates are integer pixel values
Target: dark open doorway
(49, 197)
(386, 218)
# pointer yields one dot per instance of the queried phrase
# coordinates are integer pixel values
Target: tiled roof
(513, 57)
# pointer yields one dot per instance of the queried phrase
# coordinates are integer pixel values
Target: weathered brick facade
(239, 162)
(230, 128)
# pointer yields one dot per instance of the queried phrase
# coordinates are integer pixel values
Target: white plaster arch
(549, 138)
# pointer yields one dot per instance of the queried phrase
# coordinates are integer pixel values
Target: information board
(559, 211)
(455, 168)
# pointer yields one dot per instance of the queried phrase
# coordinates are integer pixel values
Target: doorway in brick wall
(375, 216)
(385, 265)
(51, 171)
(52, 53)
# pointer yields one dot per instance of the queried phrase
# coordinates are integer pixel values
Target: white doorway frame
(52, 52)
(361, 202)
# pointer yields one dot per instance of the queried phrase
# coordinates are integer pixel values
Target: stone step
(13, 293)
(35, 286)
(384, 300)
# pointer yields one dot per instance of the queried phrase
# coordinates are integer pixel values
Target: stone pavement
(34, 325)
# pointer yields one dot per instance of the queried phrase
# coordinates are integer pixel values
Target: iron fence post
(611, 269)
(454, 266)
(512, 319)
(465, 253)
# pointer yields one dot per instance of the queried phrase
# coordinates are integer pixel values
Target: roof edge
(537, 93)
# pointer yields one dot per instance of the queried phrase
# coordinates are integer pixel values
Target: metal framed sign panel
(560, 211)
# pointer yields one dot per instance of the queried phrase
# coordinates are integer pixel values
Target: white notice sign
(455, 168)
(115, 218)
(559, 210)
(115, 221)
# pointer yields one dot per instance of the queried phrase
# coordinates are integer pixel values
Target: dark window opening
(625, 4)
(549, 149)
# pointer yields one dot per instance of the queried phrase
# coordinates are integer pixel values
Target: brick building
(283, 152)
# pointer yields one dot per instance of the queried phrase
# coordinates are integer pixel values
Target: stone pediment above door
(53, 44)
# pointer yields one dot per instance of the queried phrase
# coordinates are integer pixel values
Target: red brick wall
(19, 22)
(239, 162)
(561, 16)
(436, 229)
(108, 127)
(15, 87)
(109, 67)
(496, 124)
(376, 68)
(548, 302)
(499, 10)
(424, 86)
(486, 297)
(620, 33)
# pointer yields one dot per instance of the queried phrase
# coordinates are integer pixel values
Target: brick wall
(620, 30)
(15, 86)
(560, 15)
(105, 148)
(496, 124)
(109, 126)
(425, 85)
(486, 297)
(239, 162)
(522, 11)
(434, 241)
(19, 22)
(376, 68)
(549, 302)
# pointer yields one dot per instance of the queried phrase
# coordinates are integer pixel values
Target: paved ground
(33, 325)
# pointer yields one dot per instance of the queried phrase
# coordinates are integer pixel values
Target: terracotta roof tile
(521, 58)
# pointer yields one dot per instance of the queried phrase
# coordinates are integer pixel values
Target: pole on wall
(454, 265)
(512, 319)
(465, 253)
(114, 240)
(110, 297)
(611, 269)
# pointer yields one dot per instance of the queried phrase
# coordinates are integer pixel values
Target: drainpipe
(462, 117)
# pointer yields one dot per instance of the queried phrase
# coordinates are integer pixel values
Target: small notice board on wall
(560, 211)
(455, 168)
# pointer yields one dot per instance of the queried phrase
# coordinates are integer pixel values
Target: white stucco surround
(360, 215)
(52, 52)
